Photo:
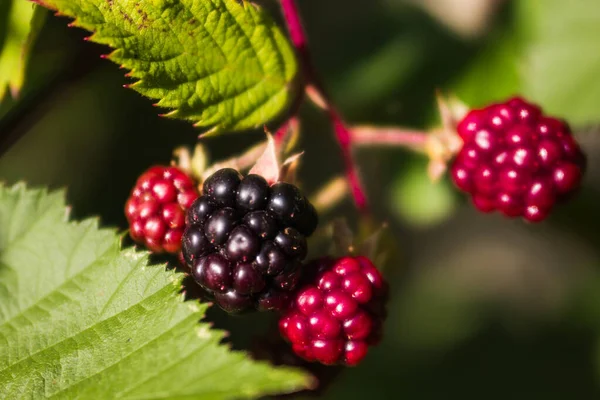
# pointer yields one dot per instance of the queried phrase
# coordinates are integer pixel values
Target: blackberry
(338, 313)
(157, 206)
(516, 160)
(245, 240)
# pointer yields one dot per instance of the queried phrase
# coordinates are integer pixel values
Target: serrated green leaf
(81, 318)
(22, 22)
(222, 64)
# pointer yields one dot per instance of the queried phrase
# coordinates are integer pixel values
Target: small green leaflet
(82, 318)
(222, 64)
(21, 23)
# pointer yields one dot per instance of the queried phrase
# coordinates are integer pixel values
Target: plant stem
(392, 136)
(283, 135)
(38, 101)
(328, 196)
(25, 114)
(316, 89)
(345, 141)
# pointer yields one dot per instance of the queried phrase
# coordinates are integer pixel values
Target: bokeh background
(482, 306)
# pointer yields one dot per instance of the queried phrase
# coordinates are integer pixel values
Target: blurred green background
(482, 306)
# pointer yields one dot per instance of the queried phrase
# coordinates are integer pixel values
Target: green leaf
(419, 201)
(562, 56)
(493, 76)
(81, 318)
(22, 23)
(222, 64)
(551, 55)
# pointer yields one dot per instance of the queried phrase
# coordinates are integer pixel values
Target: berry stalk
(366, 135)
(316, 89)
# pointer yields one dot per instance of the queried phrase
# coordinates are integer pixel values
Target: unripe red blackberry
(516, 160)
(339, 313)
(245, 240)
(156, 208)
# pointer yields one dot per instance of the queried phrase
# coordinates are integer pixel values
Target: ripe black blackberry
(245, 240)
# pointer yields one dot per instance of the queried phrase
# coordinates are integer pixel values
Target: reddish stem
(345, 141)
(282, 135)
(299, 39)
(294, 23)
(363, 136)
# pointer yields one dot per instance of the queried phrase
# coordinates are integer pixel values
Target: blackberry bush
(245, 240)
(338, 313)
(156, 208)
(517, 160)
(226, 66)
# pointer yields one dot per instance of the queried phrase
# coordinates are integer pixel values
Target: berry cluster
(338, 313)
(516, 160)
(156, 208)
(245, 240)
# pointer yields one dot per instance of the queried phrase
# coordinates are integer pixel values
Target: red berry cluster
(156, 208)
(516, 160)
(338, 314)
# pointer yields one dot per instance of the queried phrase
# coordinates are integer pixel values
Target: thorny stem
(316, 90)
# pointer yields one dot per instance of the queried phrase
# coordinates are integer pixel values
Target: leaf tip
(15, 91)
(311, 382)
(203, 332)
(214, 131)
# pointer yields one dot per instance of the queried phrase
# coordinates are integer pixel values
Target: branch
(332, 193)
(366, 135)
(286, 133)
(38, 101)
(316, 90)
